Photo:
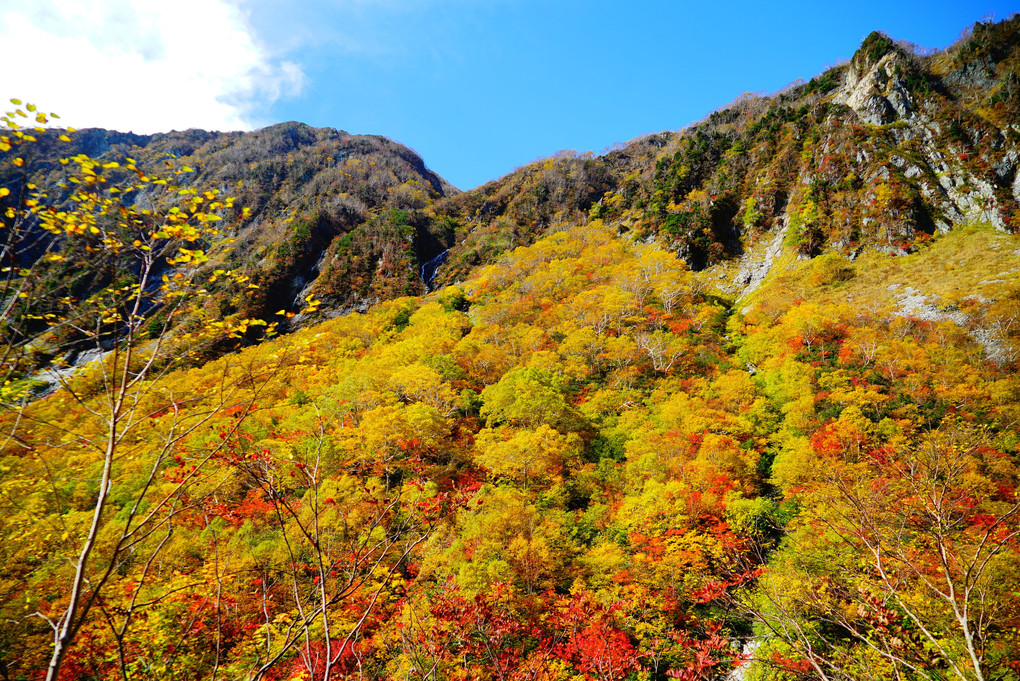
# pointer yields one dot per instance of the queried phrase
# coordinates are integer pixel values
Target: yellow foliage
(795, 464)
(525, 454)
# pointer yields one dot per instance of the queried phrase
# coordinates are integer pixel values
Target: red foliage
(313, 660)
(485, 634)
(845, 355)
(717, 588)
(679, 327)
(709, 652)
(601, 652)
(791, 665)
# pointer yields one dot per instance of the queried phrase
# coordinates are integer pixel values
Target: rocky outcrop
(875, 92)
(992, 337)
(873, 85)
(756, 264)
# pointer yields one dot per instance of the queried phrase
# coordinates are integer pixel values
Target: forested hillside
(880, 152)
(741, 399)
(317, 203)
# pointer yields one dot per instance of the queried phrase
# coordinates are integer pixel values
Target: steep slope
(314, 199)
(585, 460)
(877, 153)
(578, 460)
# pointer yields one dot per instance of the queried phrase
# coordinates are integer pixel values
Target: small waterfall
(429, 269)
(739, 673)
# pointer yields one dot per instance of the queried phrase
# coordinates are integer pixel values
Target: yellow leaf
(4, 191)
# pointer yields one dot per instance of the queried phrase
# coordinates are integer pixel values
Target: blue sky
(477, 87)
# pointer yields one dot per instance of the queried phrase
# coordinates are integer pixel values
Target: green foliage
(526, 397)
(874, 47)
(608, 446)
(827, 82)
(582, 461)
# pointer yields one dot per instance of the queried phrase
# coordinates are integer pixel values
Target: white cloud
(142, 65)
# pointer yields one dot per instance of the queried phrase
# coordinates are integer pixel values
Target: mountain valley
(734, 402)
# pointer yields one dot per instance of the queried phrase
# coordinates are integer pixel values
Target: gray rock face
(876, 94)
(973, 74)
(740, 671)
(755, 266)
(57, 374)
(993, 339)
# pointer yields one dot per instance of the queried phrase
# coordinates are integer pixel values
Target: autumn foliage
(584, 461)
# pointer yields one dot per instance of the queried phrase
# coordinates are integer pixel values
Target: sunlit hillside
(739, 402)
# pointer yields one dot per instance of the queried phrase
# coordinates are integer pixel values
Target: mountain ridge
(874, 152)
(740, 401)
